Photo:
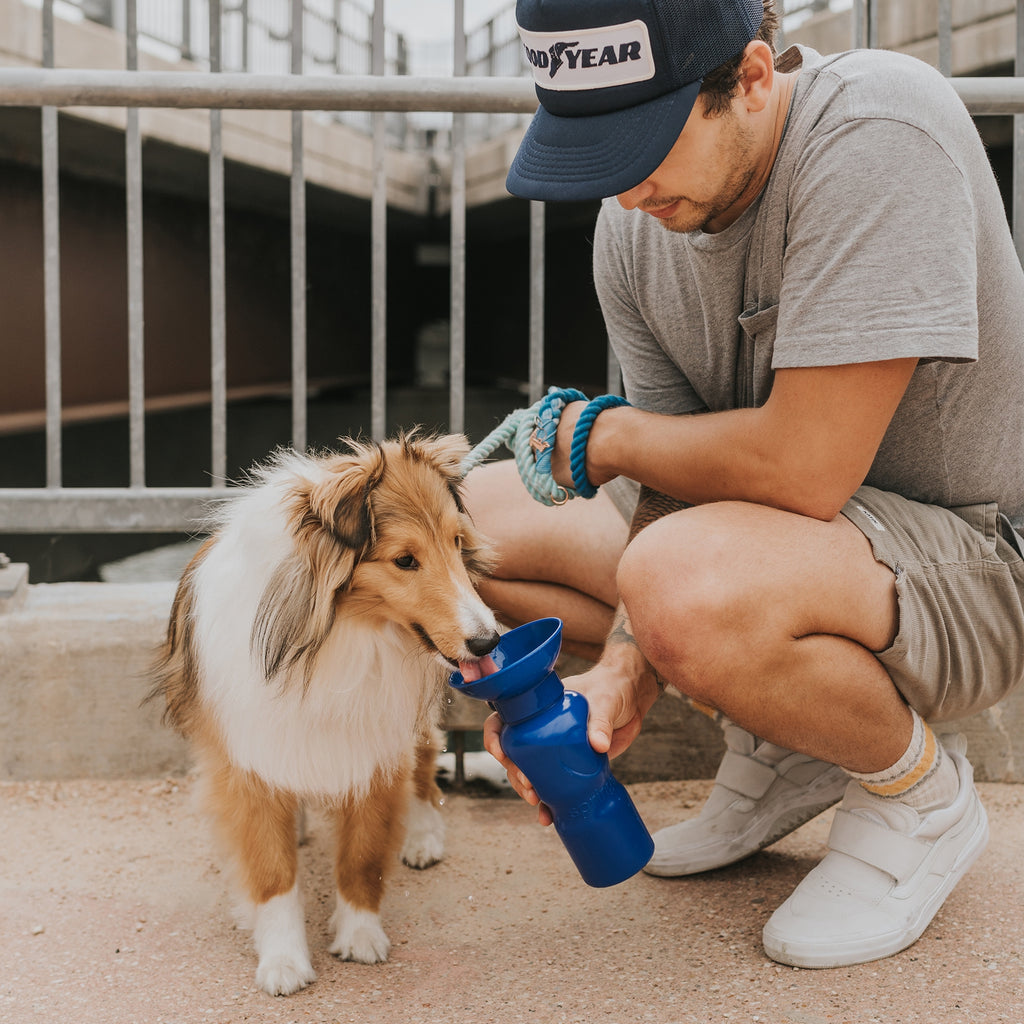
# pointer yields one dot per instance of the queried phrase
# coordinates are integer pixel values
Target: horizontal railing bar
(991, 95)
(65, 87)
(109, 509)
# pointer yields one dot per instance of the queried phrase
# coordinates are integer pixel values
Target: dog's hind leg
(369, 834)
(257, 823)
(424, 831)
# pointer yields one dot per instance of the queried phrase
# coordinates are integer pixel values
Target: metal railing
(255, 35)
(56, 508)
(337, 37)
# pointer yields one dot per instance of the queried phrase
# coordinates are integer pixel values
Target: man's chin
(683, 224)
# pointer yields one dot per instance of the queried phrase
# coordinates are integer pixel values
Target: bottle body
(593, 814)
(544, 734)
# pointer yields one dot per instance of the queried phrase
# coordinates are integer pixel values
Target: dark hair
(719, 85)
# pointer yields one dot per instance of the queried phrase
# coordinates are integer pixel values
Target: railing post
(187, 52)
(457, 303)
(1018, 143)
(243, 10)
(865, 24)
(136, 320)
(338, 38)
(298, 247)
(51, 268)
(218, 275)
(537, 276)
(379, 243)
(945, 33)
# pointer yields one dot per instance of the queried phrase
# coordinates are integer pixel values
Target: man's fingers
(517, 780)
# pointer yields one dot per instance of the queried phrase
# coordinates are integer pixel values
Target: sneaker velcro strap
(744, 775)
(892, 852)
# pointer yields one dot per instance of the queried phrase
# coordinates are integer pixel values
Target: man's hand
(618, 701)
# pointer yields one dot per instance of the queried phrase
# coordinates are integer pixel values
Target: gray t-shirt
(881, 235)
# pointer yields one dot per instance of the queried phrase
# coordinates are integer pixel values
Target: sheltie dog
(308, 644)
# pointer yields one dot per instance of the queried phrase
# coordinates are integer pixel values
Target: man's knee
(487, 491)
(681, 598)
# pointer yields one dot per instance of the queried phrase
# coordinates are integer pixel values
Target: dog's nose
(480, 645)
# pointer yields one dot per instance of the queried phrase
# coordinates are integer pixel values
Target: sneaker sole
(878, 948)
(787, 818)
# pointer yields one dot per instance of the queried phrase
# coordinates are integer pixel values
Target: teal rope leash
(530, 434)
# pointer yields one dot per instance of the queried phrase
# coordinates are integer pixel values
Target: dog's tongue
(474, 670)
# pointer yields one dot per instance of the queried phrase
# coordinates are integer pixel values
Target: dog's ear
(332, 524)
(444, 453)
(340, 502)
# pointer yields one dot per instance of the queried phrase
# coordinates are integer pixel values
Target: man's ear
(757, 74)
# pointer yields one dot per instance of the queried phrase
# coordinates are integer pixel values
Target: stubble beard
(697, 216)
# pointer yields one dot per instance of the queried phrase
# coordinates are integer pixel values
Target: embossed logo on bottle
(585, 809)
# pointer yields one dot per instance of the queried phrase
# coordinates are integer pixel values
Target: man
(807, 277)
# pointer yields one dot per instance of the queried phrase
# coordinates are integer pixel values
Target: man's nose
(636, 195)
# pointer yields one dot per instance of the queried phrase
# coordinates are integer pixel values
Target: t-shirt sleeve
(651, 379)
(880, 258)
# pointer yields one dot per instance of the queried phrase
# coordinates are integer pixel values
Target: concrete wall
(73, 664)
(983, 32)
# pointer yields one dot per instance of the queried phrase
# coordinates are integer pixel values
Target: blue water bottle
(545, 736)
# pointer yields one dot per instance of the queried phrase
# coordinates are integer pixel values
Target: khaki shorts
(960, 586)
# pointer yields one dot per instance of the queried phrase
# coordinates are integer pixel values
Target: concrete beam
(75, 656)
(336, 156)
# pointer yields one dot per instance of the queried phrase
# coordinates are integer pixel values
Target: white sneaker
(888, 870)
(762, 792)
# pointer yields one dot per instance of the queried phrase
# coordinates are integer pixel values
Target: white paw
(424, 835)
(358, 935)
(279, 933)
(283, 974)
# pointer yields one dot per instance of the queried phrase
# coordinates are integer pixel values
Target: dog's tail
(175, 671)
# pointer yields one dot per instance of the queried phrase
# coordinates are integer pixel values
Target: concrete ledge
(75, 658)
(13, 585)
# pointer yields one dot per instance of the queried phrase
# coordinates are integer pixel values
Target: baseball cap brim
(592, 157)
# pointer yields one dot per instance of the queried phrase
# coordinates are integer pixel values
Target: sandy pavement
(113, 910)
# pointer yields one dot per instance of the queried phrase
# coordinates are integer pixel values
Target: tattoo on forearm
(653, 505)
(620, 632)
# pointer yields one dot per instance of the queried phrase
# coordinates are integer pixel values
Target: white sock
(923, 778)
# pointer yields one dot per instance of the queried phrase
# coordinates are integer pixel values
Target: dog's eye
(407, 562)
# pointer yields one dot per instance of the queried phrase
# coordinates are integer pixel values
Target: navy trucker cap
(616, 80)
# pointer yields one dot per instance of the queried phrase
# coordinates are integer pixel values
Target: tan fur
(424, 776)
(256, 822)
(378, 535)
(177, 675)
(373, 836)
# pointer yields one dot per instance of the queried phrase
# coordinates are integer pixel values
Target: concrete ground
(115, 911)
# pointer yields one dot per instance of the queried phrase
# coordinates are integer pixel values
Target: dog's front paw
(358, 935)
(424, 835)
(279, 931)
(283, 974)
